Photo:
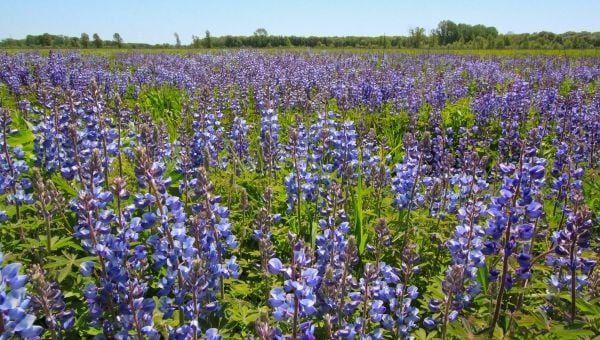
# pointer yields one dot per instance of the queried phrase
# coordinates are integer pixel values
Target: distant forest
(447, 35)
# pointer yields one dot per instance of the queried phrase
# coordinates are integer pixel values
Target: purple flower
(86, 268)
(14, 303)
(535, 210)
(275, 266)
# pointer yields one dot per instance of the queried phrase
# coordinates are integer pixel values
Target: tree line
(447, 34)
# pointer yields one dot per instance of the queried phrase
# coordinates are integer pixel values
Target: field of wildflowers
(299, 195)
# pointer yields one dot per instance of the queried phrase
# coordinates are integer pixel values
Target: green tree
(447, 32)
(74, 42)
(85, 40)
(479, 42)
(177, 41)
(260, 37)
(207, 39)
(231, 41)
(499, 43)
(195, 41)
(30, 40)
(385, 43)
(97, 40)
(118, 40)
(261, 32)
(46, 39)
(416, 37)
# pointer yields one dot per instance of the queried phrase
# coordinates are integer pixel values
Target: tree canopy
(447, 34)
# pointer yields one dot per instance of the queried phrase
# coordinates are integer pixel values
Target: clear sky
(155, 21)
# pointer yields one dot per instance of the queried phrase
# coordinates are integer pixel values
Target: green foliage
(164, 105)
(591, 189)
(357, 201)
(447, 35)
(567, 86)
(245, 300)
(458, 114)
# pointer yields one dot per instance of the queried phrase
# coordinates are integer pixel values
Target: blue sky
(154, 21)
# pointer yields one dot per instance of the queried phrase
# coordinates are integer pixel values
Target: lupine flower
(271, 150)
(297, 299)
(262, 234)
(240, 142)
(336, 256)
(405, 183)
(12, 168)
(374, 166)
(47, 301)
(207, 140)
(568, 245)
(14, 303)
(345, 153)
(298, 152)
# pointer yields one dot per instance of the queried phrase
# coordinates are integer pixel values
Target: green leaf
(359, 233)
(240, 289)
(420, 334)
(64, 242)
(56, 261)
(62, 275)
(570, 333)
(483, 276)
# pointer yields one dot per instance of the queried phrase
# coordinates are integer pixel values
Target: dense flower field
(297, 195)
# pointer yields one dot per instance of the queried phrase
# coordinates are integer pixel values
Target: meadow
(506, 52)
(299, 194)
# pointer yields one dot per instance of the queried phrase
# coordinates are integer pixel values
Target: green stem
(504, 262)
